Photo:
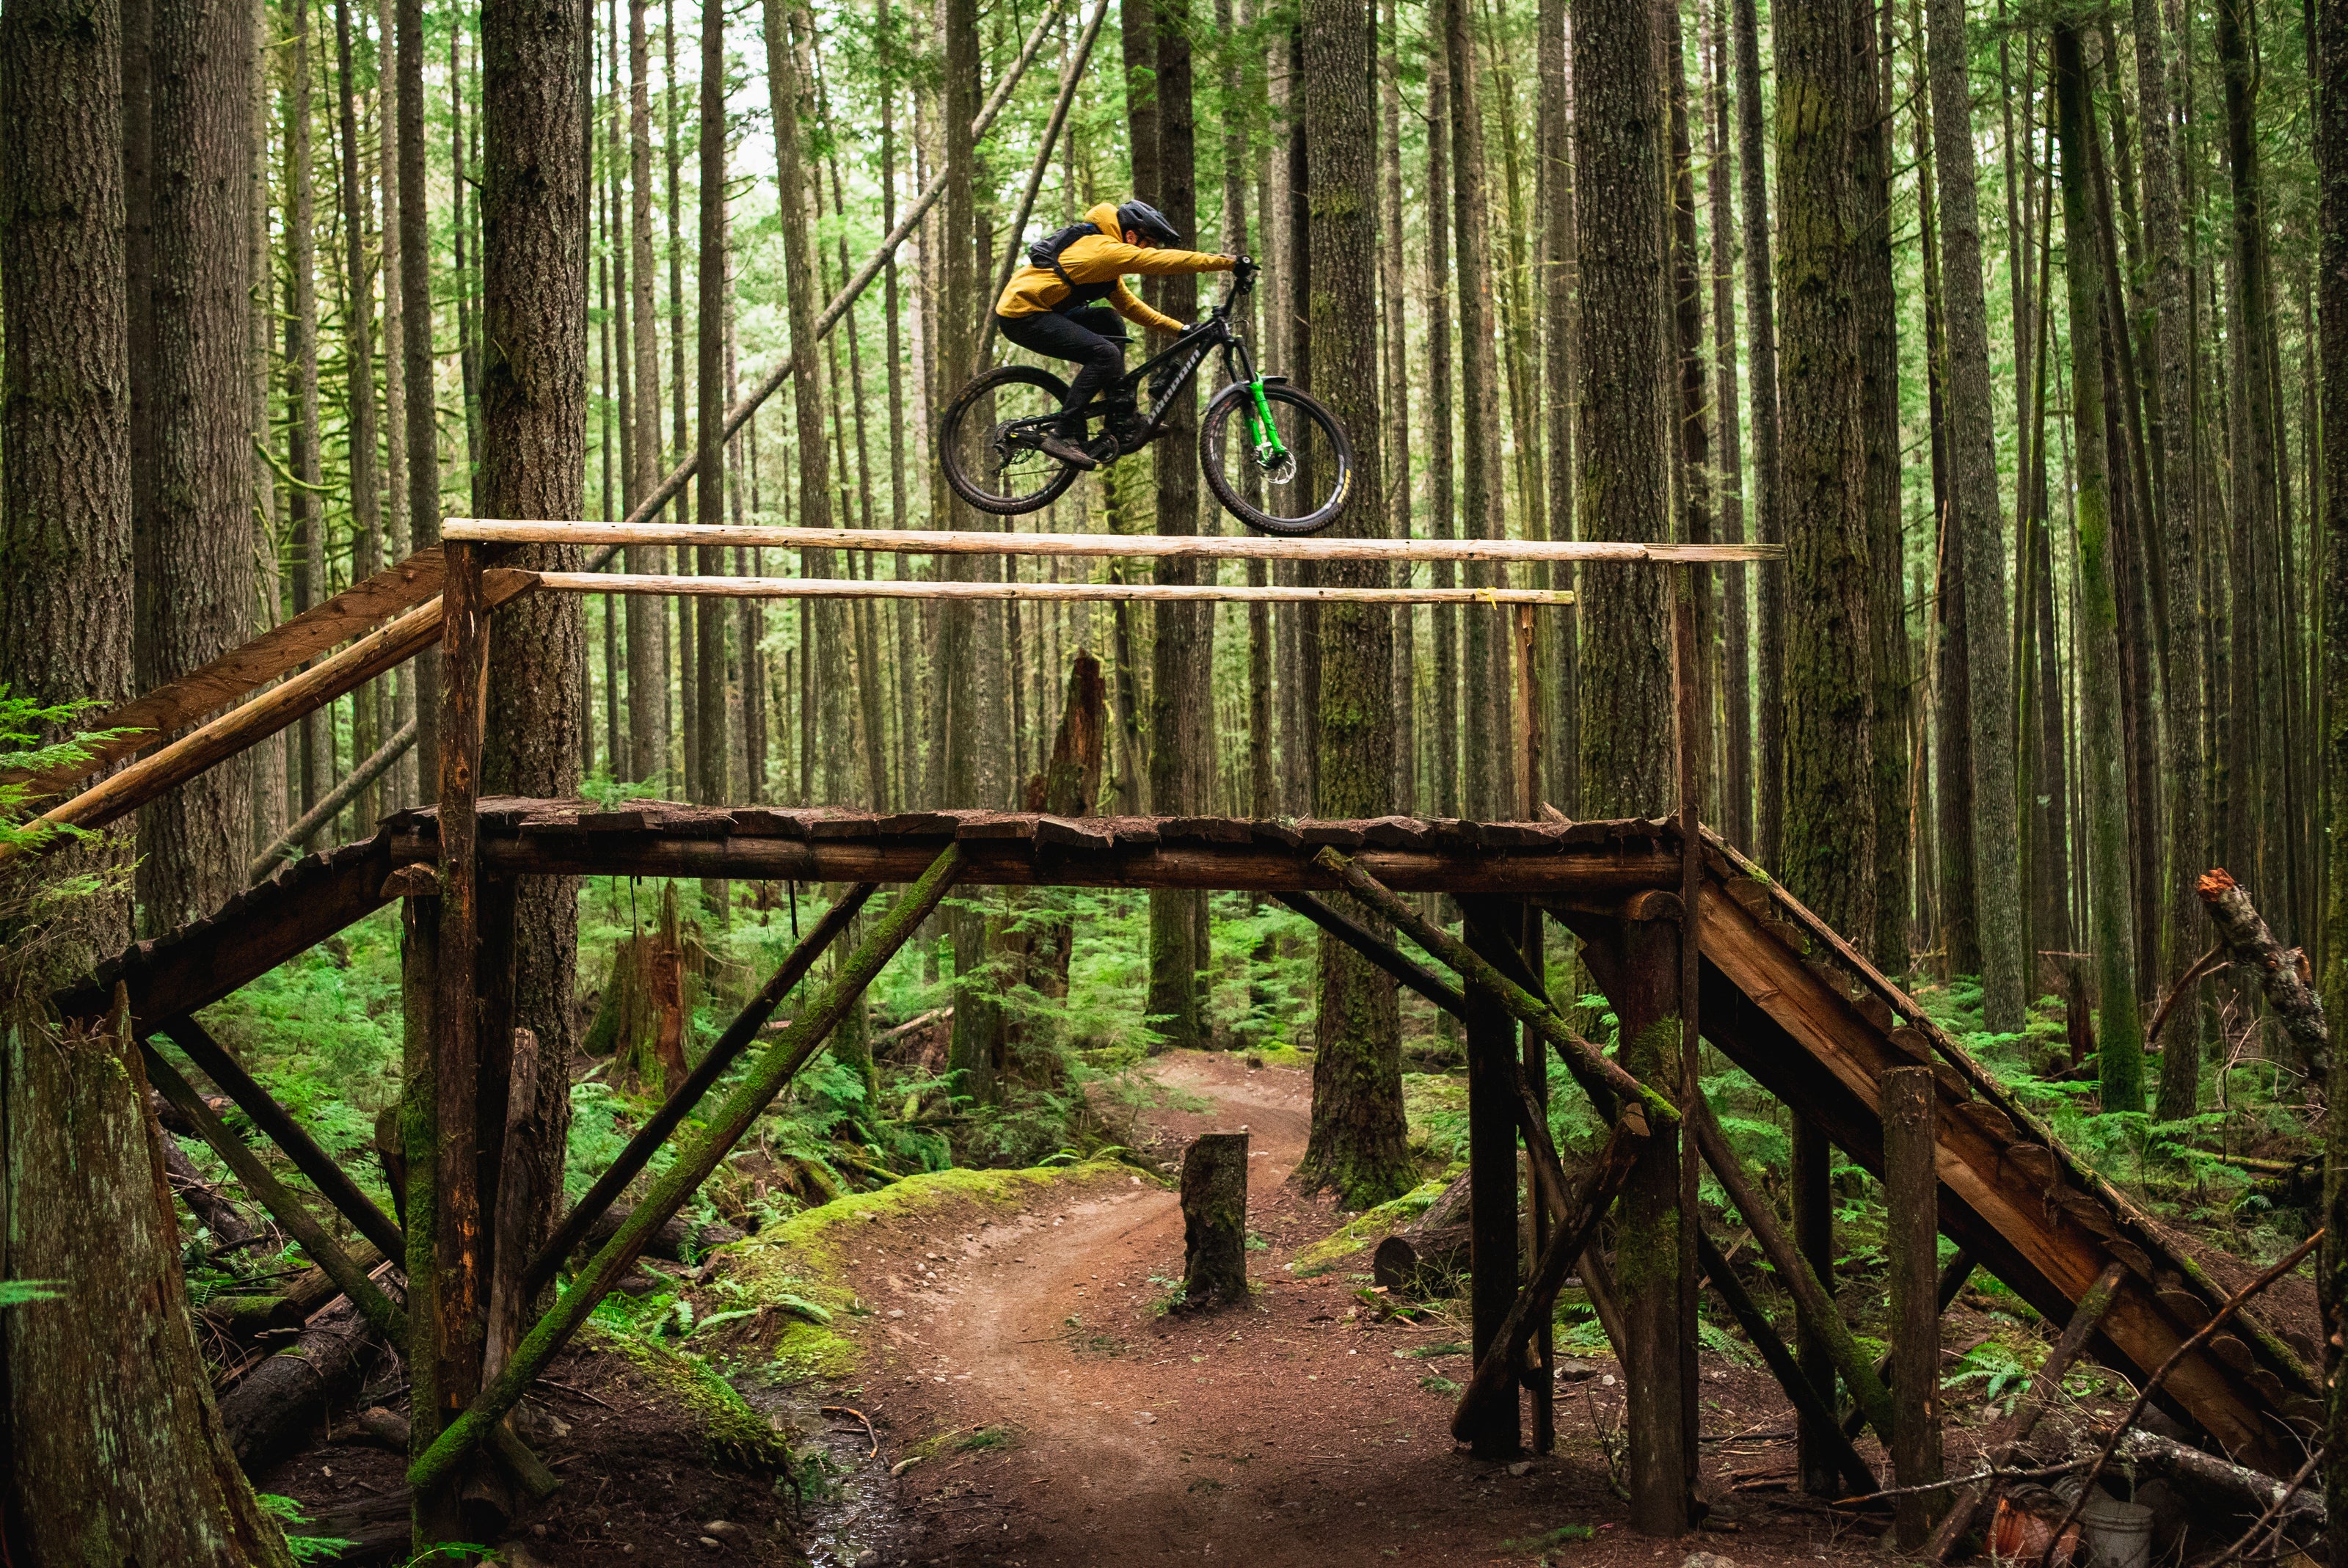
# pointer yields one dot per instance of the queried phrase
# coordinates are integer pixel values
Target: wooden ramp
(1782, 995)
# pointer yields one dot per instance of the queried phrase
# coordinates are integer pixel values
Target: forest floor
(1055, 1413)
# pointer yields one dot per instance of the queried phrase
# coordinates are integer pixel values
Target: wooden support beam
(333, 1182)
(1495, 1107)
(1489, 1403)
(1952, 1280)
(242, 726)
(1818, 1444)
(1383, 953)
(282, 1205)
(1595, 1072)
(1911, 1240)
(1055, 593)
(1969, 1508)
(327, 810)
(1541, 1366)
(1163, 546)
(242, 670)
(1817, 1311)
(718, 1061)
(772, 1069)
(1808, 1400)
(1690, 736)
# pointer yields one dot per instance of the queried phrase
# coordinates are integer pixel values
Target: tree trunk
(1618, 168)
(1735, 791)
(2121, 1052)
(192, 526)
(1974, 492)
(1444, 784)
(1887, 589)
(1395, 347)
(398, 789)
(1761, 373)
(421, 367)
(358, 334)
(648, 676)
(1485, 740)
(1358, 1141)
(1181, 704)
(1692, 416)
(2329, 68)
(533, 465)
(1562, 368)
(1829, 854)
(114, 1450)
(709, 423)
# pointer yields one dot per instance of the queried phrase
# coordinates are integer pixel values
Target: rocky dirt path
(1056, 1414)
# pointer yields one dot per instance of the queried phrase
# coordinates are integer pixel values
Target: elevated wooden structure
(1688, 940)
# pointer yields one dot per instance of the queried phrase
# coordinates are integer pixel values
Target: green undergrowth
(731, 1432)
(789, 1280)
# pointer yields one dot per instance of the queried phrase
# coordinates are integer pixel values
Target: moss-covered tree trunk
(1357, 1143)
(113, 1449)
(2109, 909)
(2329, 67)
(1828, 856)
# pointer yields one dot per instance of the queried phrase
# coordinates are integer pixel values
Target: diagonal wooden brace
(722, 1056)
(768, 1074)
(1383, 953)
(1804, 1395)
(333, 1182)
(1495, 1377)
(1603, 1081)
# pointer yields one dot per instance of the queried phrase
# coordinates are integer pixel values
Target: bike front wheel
(991, 441)
(1296, 485)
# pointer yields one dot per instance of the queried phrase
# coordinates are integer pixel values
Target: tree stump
(646, 1007)
(1214, 1219)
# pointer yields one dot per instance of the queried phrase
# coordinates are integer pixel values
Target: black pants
(1094, 338)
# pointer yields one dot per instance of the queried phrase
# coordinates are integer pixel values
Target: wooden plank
(172, 707)
(1014, 862)
(1057, 593)
(264, 716)
(1178, 547)
(333, 1182)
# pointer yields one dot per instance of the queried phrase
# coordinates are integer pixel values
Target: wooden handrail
(886, 588)
(1195, 547)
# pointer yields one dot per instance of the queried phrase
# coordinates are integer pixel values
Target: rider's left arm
(1129, 306)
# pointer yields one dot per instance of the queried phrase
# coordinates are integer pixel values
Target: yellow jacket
(1104, 258)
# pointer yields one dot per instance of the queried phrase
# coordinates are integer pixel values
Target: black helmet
(1148, 222)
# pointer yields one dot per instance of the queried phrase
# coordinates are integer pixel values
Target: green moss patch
(732, 1433)
(1366, 1230)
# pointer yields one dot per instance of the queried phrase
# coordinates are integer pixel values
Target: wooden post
(1530, 741)
(1690, 735)
(1492, 1114)
(1541, 1373)
(1638, 961)
(460, 1295)
(436, 1511)
(1214, 1220)
(1911, 1187)
(1817, 1445)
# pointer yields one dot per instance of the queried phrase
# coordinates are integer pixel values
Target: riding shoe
(1064, 447)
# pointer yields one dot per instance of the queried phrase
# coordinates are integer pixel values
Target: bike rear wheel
(990, 442)
(1298, 489)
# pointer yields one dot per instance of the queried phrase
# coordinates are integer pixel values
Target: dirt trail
(1060, 1416)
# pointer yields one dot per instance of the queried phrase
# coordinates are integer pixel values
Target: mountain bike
(1275, 458)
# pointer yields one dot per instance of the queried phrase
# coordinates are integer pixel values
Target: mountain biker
(1065, 304)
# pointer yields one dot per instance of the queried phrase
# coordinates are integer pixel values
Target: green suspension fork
(1269, 447)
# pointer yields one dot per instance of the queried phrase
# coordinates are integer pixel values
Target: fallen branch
(2207, 964)
(2279, 970)
(847, 1411)
(2248, 1489)
(1988, 1472)
(2274, 1515)
(2200, 1337)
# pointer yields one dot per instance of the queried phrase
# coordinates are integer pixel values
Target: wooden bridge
(1686, 937)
